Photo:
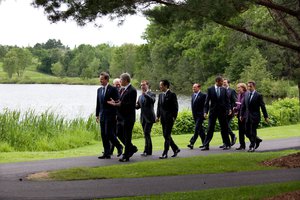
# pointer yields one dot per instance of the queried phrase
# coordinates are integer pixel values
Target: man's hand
(97, 119)
(267, 120)
(230, 112)
(157, 119)
(205, 115)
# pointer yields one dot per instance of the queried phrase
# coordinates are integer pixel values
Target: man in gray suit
(147, 117)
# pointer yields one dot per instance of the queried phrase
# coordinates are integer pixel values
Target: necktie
(195, 96)
(143, 98)
(250, 97)
(122, 91)
(218, 91)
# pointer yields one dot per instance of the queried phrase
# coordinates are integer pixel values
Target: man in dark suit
(232, 95)
(147, 117)
(218, 106)
(167, 110)
(126, 115)
(106, 115)
(197, 105)
(251, 110)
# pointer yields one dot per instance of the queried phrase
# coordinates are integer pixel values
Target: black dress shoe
(133, 151)
(175, 153)
(257, 143)
(163, 157)
(124, 159)
(251, 149)
(227, 148)
(205, 149)
(120, 151)
(233, 141)
(104, 157)
(240, 148)
(190, 146)
(222, 146)
(201, 146)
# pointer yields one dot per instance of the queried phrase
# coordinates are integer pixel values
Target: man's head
(219, 81)
(117, 83)
(144, 85)
(104, 78)
(125, 79)
(226, 83)
(196, 87)
(251, 86)
(164, 85)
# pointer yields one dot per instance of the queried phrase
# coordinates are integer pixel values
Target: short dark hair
(105, 75)
(125, 76)
(165, 83)
(252, 82)
(198, 84)
(218, 78)
(228, 81)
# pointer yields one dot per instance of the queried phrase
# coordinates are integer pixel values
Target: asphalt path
(13, 184)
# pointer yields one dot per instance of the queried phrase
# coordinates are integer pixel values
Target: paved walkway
(12, 188)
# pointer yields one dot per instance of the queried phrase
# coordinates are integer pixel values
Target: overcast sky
(23, 25)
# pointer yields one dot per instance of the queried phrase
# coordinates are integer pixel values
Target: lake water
(69, 101)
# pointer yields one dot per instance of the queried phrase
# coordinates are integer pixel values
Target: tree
(286, 13)
(57, 69)
(16, 60)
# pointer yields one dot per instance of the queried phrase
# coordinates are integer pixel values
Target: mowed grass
(233, 193)
(181, 141)
(220, 163)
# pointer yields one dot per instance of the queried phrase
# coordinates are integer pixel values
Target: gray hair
(125, 76)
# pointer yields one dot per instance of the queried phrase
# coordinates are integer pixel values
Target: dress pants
(108, 126)
(147, 134)
(211, 128)
(167, 130)
(124, 132)
(199, 131)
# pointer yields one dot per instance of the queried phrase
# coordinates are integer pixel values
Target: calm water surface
(70, 101)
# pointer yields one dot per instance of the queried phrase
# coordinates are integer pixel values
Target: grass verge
(221, 163)
(234, 193)
(158, 142)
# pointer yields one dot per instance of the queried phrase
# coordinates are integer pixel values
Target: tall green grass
(44, 132)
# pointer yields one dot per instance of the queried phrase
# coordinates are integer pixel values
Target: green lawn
(220, 163)
(234, 193)
(181, 141)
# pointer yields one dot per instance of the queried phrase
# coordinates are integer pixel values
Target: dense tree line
(183, 51)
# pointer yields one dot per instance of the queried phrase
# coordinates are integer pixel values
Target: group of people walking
(116, 106)
(223, 103)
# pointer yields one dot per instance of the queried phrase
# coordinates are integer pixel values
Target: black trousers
(124, 133)
(147, 135)
(108, 126)
(199, 131)
(230, 132)
(251, 130)
(242, 132)
(211, 128)
(167, 130)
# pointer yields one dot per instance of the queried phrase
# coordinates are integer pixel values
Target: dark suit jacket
(232, 95)
(147, 107)
(167, 108)
(197, 105)
(103, 109)
(126, 111)
(251, 110)
(216, 105)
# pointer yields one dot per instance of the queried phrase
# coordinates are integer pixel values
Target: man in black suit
(218, 106)
(126, 115)
(251, 110)
(197, 105)
(147, 117)
(106, 115)
(167, 110)
(232, 95)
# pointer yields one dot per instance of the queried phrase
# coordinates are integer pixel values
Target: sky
(23, 25)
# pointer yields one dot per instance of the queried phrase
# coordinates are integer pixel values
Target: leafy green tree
(123, 60)
(16, 60)
(57, 69)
